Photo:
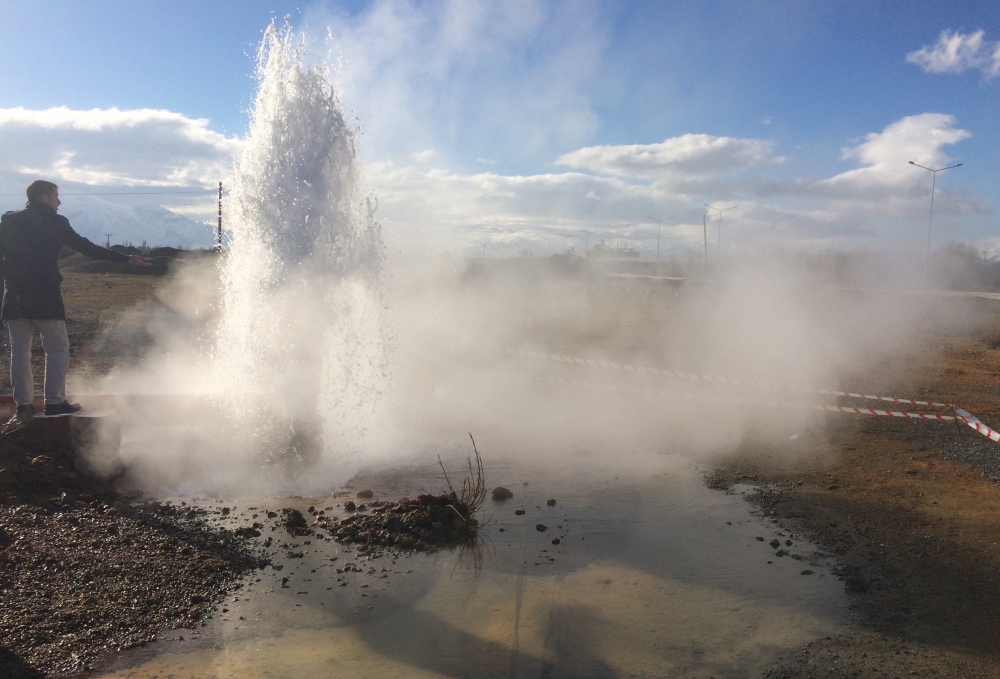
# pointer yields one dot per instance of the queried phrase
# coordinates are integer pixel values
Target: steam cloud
(305, 333)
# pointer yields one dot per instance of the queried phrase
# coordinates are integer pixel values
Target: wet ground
(657, 576)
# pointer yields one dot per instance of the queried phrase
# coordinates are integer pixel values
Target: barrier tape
(960, 414)
(977, 424)
(716, 379)
(778, 404)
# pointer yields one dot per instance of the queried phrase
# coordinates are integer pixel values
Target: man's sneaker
(20, 420)
(64, 408)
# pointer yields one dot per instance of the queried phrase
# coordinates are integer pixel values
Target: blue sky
(475, 117)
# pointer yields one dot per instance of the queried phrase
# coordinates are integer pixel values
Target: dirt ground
(83, 571)
(99, 332)
(911, 511)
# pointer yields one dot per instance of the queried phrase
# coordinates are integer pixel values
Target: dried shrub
(473, 492)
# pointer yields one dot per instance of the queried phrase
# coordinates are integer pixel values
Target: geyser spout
(300, 309)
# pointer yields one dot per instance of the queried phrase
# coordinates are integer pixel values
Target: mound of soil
(33, 470)
(426, 524)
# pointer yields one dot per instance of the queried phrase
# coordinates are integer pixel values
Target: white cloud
(957, 52)
(691, 155)
(424, 206)
(110, 147)
(424, 156)
(885, 155)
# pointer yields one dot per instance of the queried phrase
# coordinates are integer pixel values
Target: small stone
(541, 527)
(759, 539)
(807, 572)
(788, 543)
(519, 512)
(775, 543)
(293, 519)
(556, 541)
(350, 506)
(500, 494)
(911, 471)
(551, 503)
(366, 494)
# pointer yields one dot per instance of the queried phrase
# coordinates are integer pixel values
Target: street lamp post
(659, 223)
(548, 244)
(720, 211)
(930, 221)
(704, 233)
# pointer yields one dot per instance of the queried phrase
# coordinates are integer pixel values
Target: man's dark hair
(39, 188)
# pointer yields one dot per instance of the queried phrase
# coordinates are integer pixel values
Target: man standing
(30, 241)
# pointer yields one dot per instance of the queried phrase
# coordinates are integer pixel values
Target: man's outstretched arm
(75, 241)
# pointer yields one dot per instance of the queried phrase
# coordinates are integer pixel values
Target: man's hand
(135, 260)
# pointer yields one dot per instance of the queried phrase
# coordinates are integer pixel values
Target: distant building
(603, 252)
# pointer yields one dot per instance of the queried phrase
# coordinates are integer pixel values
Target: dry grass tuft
(473, 493)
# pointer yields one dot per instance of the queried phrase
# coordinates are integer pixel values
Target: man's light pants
(55, 342)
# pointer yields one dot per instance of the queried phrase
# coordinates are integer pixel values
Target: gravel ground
(909, 513)
(83, 573)
(982, 456)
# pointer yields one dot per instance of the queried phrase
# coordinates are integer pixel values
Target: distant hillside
(93, 217)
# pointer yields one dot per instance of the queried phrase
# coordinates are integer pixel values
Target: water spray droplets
(301, 336)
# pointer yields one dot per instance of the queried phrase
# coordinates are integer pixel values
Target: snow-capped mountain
(153, 224)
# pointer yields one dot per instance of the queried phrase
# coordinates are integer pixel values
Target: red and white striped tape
(977, 424)
(959, 414)
(716, 379)
(766, 402)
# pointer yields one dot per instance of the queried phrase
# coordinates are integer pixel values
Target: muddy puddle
(652, 576)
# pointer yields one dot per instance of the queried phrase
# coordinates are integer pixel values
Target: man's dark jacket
(30, 241)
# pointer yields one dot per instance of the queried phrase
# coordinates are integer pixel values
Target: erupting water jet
(300, 347)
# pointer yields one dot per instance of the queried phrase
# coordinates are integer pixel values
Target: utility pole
(218, 240)
(720, 210)
(659, 223)
(618, 231)
(107, 242)
(704, 232)
(930, 221)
